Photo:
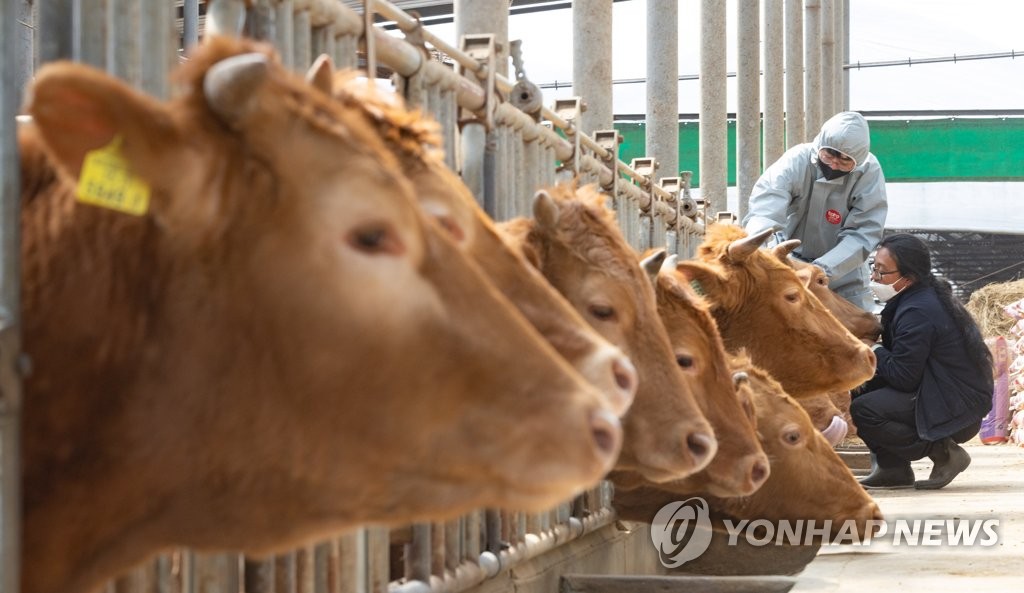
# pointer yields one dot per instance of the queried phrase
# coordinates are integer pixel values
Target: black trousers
(885, 422)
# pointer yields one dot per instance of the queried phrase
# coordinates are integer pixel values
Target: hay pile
(986, 306)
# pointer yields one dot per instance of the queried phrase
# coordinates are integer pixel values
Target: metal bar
(378, 565)
(156, 26)
(55, 32)
(321, 566)
(10, 310)
(828, 59)
(662, 131)
(748, 120)
(190, 24)
(812, 68)
(262, 21)
(592, 59)
(353, 565)
(215, 573)
(418, 555)
(284, 30)
(713, 126)
(794, 73)
(284, 573)
(259, 576)
(774, 83)
(304, 566)
(303, 45)
(89, 32)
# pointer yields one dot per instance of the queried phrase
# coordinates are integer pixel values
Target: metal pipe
(794, 73)
(302, 47)
(259, 576)
(662, 131)
(812, 68)
(748, 112)
(157, 31)
(55, 32)
(839, 56)
(713, 123)
(10, 310)
(285, 31)
(89, 32)
(476, 571)
(828, 59)
(262, 23)
(592, 61)
(846, 55)
(418, 556)
(284, 574)
(123, 42)
(774, 83)
(190, 23)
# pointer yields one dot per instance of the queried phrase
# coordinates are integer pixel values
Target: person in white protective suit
(829, 194)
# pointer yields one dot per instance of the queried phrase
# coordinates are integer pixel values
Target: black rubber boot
(900, 476)
(950, 459)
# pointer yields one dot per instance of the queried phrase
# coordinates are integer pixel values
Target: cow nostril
(606, 432)
(759, 472)
(702, 447)
(625, 375)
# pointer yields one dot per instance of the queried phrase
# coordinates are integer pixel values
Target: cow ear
(704, 280)
(321, 74)
(78, 109)
(545, 210)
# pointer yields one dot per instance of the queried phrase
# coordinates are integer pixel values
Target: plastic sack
(995, 426)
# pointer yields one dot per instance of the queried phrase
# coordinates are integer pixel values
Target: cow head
(415, 141)
(280, 347)
(762, 305)
(740, 466)
(860, 323)
(575, 243)
(808, 480)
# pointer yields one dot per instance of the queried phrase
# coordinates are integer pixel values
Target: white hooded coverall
(839, 222)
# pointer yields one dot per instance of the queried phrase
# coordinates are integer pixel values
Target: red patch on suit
(833, 217)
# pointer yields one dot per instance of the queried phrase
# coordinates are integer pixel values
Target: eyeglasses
(875, 271)
(836, 159)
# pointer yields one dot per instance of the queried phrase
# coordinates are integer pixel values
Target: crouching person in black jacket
(933, 379)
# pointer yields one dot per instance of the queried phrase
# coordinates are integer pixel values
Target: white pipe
(812, 68)
(774, 82)
(713, 125)
(662, 130)
(794, 73)
(748, 114)
(592, 61)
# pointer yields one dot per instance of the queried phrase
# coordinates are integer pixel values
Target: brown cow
(740, 466)
(414, 140)
(862, 324)
(282, 346)
(574, 241)
(760, 304)
(808, 479)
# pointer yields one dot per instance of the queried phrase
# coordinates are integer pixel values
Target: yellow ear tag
(107, 182)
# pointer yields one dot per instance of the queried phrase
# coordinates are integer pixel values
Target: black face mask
(829, 172)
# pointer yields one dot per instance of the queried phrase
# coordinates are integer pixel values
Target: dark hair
(915, 262)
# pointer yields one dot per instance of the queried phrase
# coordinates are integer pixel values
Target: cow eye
(685, 361)
(823, 281)
(793, 296)
(791, 436)
(377, 238)
(602, 312)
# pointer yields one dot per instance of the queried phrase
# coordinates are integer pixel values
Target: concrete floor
(991, 488)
